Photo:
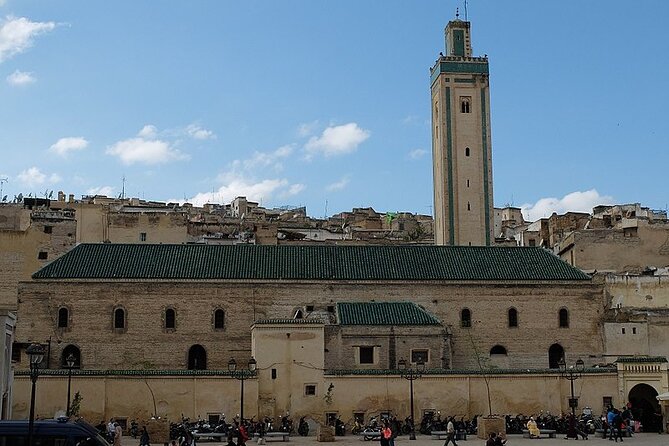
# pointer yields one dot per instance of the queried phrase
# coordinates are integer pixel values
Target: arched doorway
(197, 358)
(643, 399)
(555, 354)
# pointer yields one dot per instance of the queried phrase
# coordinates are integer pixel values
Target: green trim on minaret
(449, 153)
(486, 186)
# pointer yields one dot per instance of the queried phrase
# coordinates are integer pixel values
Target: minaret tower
(461, 143)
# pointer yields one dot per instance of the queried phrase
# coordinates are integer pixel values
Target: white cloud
(337, 140)
(145, 148)
(18, 34)
(574, 202)
(20, 78)
(417, 154)
(295, 189)
(306, 129)
(148, 131)
(33, 177)
(197, 132)
(101, 190)
(70, 144)
(339, 185)
(267, 159)
(259, 191)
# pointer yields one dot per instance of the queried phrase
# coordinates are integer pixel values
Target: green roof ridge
(384, 313)
(109, 261)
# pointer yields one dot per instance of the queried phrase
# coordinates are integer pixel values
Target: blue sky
(326, 103)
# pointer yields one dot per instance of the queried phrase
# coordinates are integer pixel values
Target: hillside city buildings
(153, 299)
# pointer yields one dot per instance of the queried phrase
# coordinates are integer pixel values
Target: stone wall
(146, 341)
(196, 396)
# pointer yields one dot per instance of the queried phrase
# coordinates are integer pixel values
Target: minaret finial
(457, 13)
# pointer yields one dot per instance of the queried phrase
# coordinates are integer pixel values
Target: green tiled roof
(384, 313)
(382, 372)
(130, 372)
(220, 262)
(641, 359)
(289, 321)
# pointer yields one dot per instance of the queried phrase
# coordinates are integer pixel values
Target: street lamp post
(70, 361)
(242, 375)
(411, 374)
(572, 373)
(36, 354)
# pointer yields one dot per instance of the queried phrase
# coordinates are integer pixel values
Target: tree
(75, 406)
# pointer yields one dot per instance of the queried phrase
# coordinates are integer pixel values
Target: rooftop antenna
(466, 16)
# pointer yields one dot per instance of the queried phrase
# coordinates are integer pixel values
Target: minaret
(461, 143)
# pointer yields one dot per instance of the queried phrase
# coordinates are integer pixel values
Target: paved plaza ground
(423, 440)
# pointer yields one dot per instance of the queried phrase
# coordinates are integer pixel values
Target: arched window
(555, 354)
(197, 358)
(564, 318)
(513, 317)
(465, 104)
(170, 318)
(219, 319)
(63, 317)
(466, 318)
(498, 350)
(119, 318)
(467, 151)
(76, 354)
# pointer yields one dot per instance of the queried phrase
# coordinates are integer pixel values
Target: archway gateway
(645, 407)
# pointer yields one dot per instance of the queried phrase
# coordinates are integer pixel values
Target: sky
(326, 104)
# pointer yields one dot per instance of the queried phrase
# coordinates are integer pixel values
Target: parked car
(58, 432)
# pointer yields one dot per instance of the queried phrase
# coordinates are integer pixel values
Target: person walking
(144, 437)
(386, 434)
(450, 433)
(118, 433)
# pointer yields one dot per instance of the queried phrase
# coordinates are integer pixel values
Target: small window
(310, 390)
(16, 352)
(513, 317)
(467, 151)
(48, 229)
(469, 206)
(498, 350)
(564, 318)
(467, 183)
(419, 356)
(607, 401)
(119, 319)
(63, 317)
(466, 318)
(331, 309)
(465, 104)
(310, 308)
(366, 355)
(170, 318)
(273, 373)
(142, 236)
(213, 418)
(43, 255)
(219, 319)
(633, 330)
(623, 330)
